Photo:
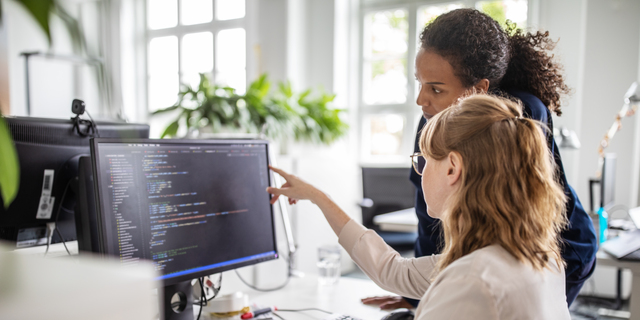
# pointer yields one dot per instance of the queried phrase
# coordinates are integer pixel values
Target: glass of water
(328, 264)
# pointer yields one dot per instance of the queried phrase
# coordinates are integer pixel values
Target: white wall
(565, 21)
(610, 66)
(598, 45)
(53, 83)
(334, 169)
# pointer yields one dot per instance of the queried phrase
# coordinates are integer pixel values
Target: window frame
(214, 26)
(409, 109)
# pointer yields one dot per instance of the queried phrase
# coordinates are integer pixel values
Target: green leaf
(9, 166)
(165, 110)
(39, 10)
(303, 95)
(171, 130)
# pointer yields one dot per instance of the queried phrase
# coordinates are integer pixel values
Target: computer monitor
(608, 181)
(48, 153)
(193, 207)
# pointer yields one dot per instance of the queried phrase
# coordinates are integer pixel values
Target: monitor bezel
(180, 278)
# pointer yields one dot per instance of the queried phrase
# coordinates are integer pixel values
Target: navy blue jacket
(580, 244)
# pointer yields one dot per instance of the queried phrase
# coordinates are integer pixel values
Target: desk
(343, 297)
(605, 259)
(398, 221)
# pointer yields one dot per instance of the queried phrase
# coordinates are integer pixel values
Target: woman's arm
(409, 277)
(297, 189)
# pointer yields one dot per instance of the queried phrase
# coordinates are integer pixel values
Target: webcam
(77, 106)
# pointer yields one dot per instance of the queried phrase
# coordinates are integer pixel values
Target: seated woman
(491, 182)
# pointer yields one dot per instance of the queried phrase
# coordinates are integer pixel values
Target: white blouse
(488, 283)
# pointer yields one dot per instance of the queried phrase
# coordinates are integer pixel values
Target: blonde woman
(491, 182)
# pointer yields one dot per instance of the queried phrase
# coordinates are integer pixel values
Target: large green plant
(277, 113)
(40, 11)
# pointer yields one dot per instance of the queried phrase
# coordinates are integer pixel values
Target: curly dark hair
(478, 48)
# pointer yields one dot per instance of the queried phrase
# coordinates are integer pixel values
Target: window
(188, 37)
(388, 113)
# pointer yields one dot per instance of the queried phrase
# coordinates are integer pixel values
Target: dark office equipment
(193, 207)
(386, 190)
(389, 189)
(86, 215)
(608, 181)
(400, 314)
(77, 106)
(52, 145)
(607, 201)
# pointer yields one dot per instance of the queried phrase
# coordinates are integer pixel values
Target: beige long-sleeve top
(488, 283)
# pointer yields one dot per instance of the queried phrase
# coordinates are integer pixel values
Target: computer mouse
(399, 314)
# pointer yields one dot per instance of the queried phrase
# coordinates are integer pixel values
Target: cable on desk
(215, 289)
(202, 299)
(277, 315)
(55, 228)
(304, 309)
(260, 289)
(286, 259)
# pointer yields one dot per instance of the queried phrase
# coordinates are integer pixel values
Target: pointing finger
(280, 172)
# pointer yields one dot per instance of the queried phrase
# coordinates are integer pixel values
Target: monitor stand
(182, 308)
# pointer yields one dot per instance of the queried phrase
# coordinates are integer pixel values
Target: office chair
(387, 190)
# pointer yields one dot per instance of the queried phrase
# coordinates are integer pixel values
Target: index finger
(279, 171)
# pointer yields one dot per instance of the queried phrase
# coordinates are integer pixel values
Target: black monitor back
(52, 144)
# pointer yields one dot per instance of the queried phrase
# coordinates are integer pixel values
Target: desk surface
(606, 259)
(342, 297)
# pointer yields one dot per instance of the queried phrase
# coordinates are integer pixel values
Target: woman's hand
(294, 188)
(388, 302)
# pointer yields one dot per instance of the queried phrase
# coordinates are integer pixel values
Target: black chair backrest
(389, 189)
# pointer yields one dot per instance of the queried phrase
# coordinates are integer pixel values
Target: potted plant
(275, 113)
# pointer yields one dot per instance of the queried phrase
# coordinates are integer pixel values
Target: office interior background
(149, 47)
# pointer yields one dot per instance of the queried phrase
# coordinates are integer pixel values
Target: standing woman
(465, 50)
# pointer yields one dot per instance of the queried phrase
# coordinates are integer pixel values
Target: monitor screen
(48, 153)
(192, 207)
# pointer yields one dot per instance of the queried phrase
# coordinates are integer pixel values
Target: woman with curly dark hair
(466, 51)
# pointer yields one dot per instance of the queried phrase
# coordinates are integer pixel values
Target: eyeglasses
(418, 161)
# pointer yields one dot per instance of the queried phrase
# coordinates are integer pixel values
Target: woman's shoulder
(506, 282)
(497, 268)
(533, 106)
(493, 257)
